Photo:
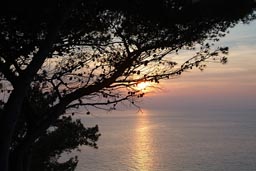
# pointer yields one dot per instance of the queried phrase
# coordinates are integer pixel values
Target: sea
(171, 141)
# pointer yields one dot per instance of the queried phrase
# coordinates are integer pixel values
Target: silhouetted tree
(64, 135)
(88, 53)
(67, 136)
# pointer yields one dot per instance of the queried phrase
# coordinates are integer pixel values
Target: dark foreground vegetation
(60, 55)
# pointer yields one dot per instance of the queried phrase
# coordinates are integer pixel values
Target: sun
(143, 85)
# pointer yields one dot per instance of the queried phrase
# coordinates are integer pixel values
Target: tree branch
(99, 103)
(7, 73)
(46, 46)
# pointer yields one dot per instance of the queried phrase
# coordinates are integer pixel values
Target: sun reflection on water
(143, 149)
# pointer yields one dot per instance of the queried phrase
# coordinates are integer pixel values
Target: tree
(92, 53)
(67, 136)
(63, 136)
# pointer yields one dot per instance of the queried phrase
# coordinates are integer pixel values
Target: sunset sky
(230, 87)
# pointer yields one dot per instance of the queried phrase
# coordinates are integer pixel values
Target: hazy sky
(230, 87)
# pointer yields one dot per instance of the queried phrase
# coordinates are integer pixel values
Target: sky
(230, 87)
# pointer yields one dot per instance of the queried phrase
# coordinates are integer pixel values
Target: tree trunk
(8, 121)
(6, 132)
(4, 153)
(20, 159)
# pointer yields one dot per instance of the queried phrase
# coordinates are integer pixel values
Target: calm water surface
(165, 141)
